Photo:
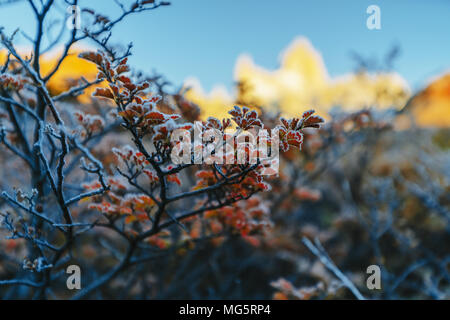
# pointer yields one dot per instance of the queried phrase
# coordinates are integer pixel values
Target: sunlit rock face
(431, 106)
(301, 82)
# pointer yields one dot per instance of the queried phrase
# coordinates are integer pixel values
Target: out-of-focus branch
(321, 254)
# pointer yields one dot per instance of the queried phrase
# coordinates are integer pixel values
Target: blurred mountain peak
(430, 107)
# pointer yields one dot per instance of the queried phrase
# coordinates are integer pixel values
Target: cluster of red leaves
(173, 177)
(131, 157)
(116, 203)
(245, 118)
(134, 208)
(162, 132)
(246, 217)
(162, 240)
(136, 108)
(214, 123)
(11, 82)
(290, 131)
(253, 182)
(237, 151)
(205, 178)
(90, 122)
(145, 116)
(250, 183)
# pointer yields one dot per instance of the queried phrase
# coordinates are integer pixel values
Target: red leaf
(103, 92)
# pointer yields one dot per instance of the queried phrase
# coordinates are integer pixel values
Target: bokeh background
(372, 185)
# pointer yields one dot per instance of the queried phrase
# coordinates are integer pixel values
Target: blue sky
(203, 38)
